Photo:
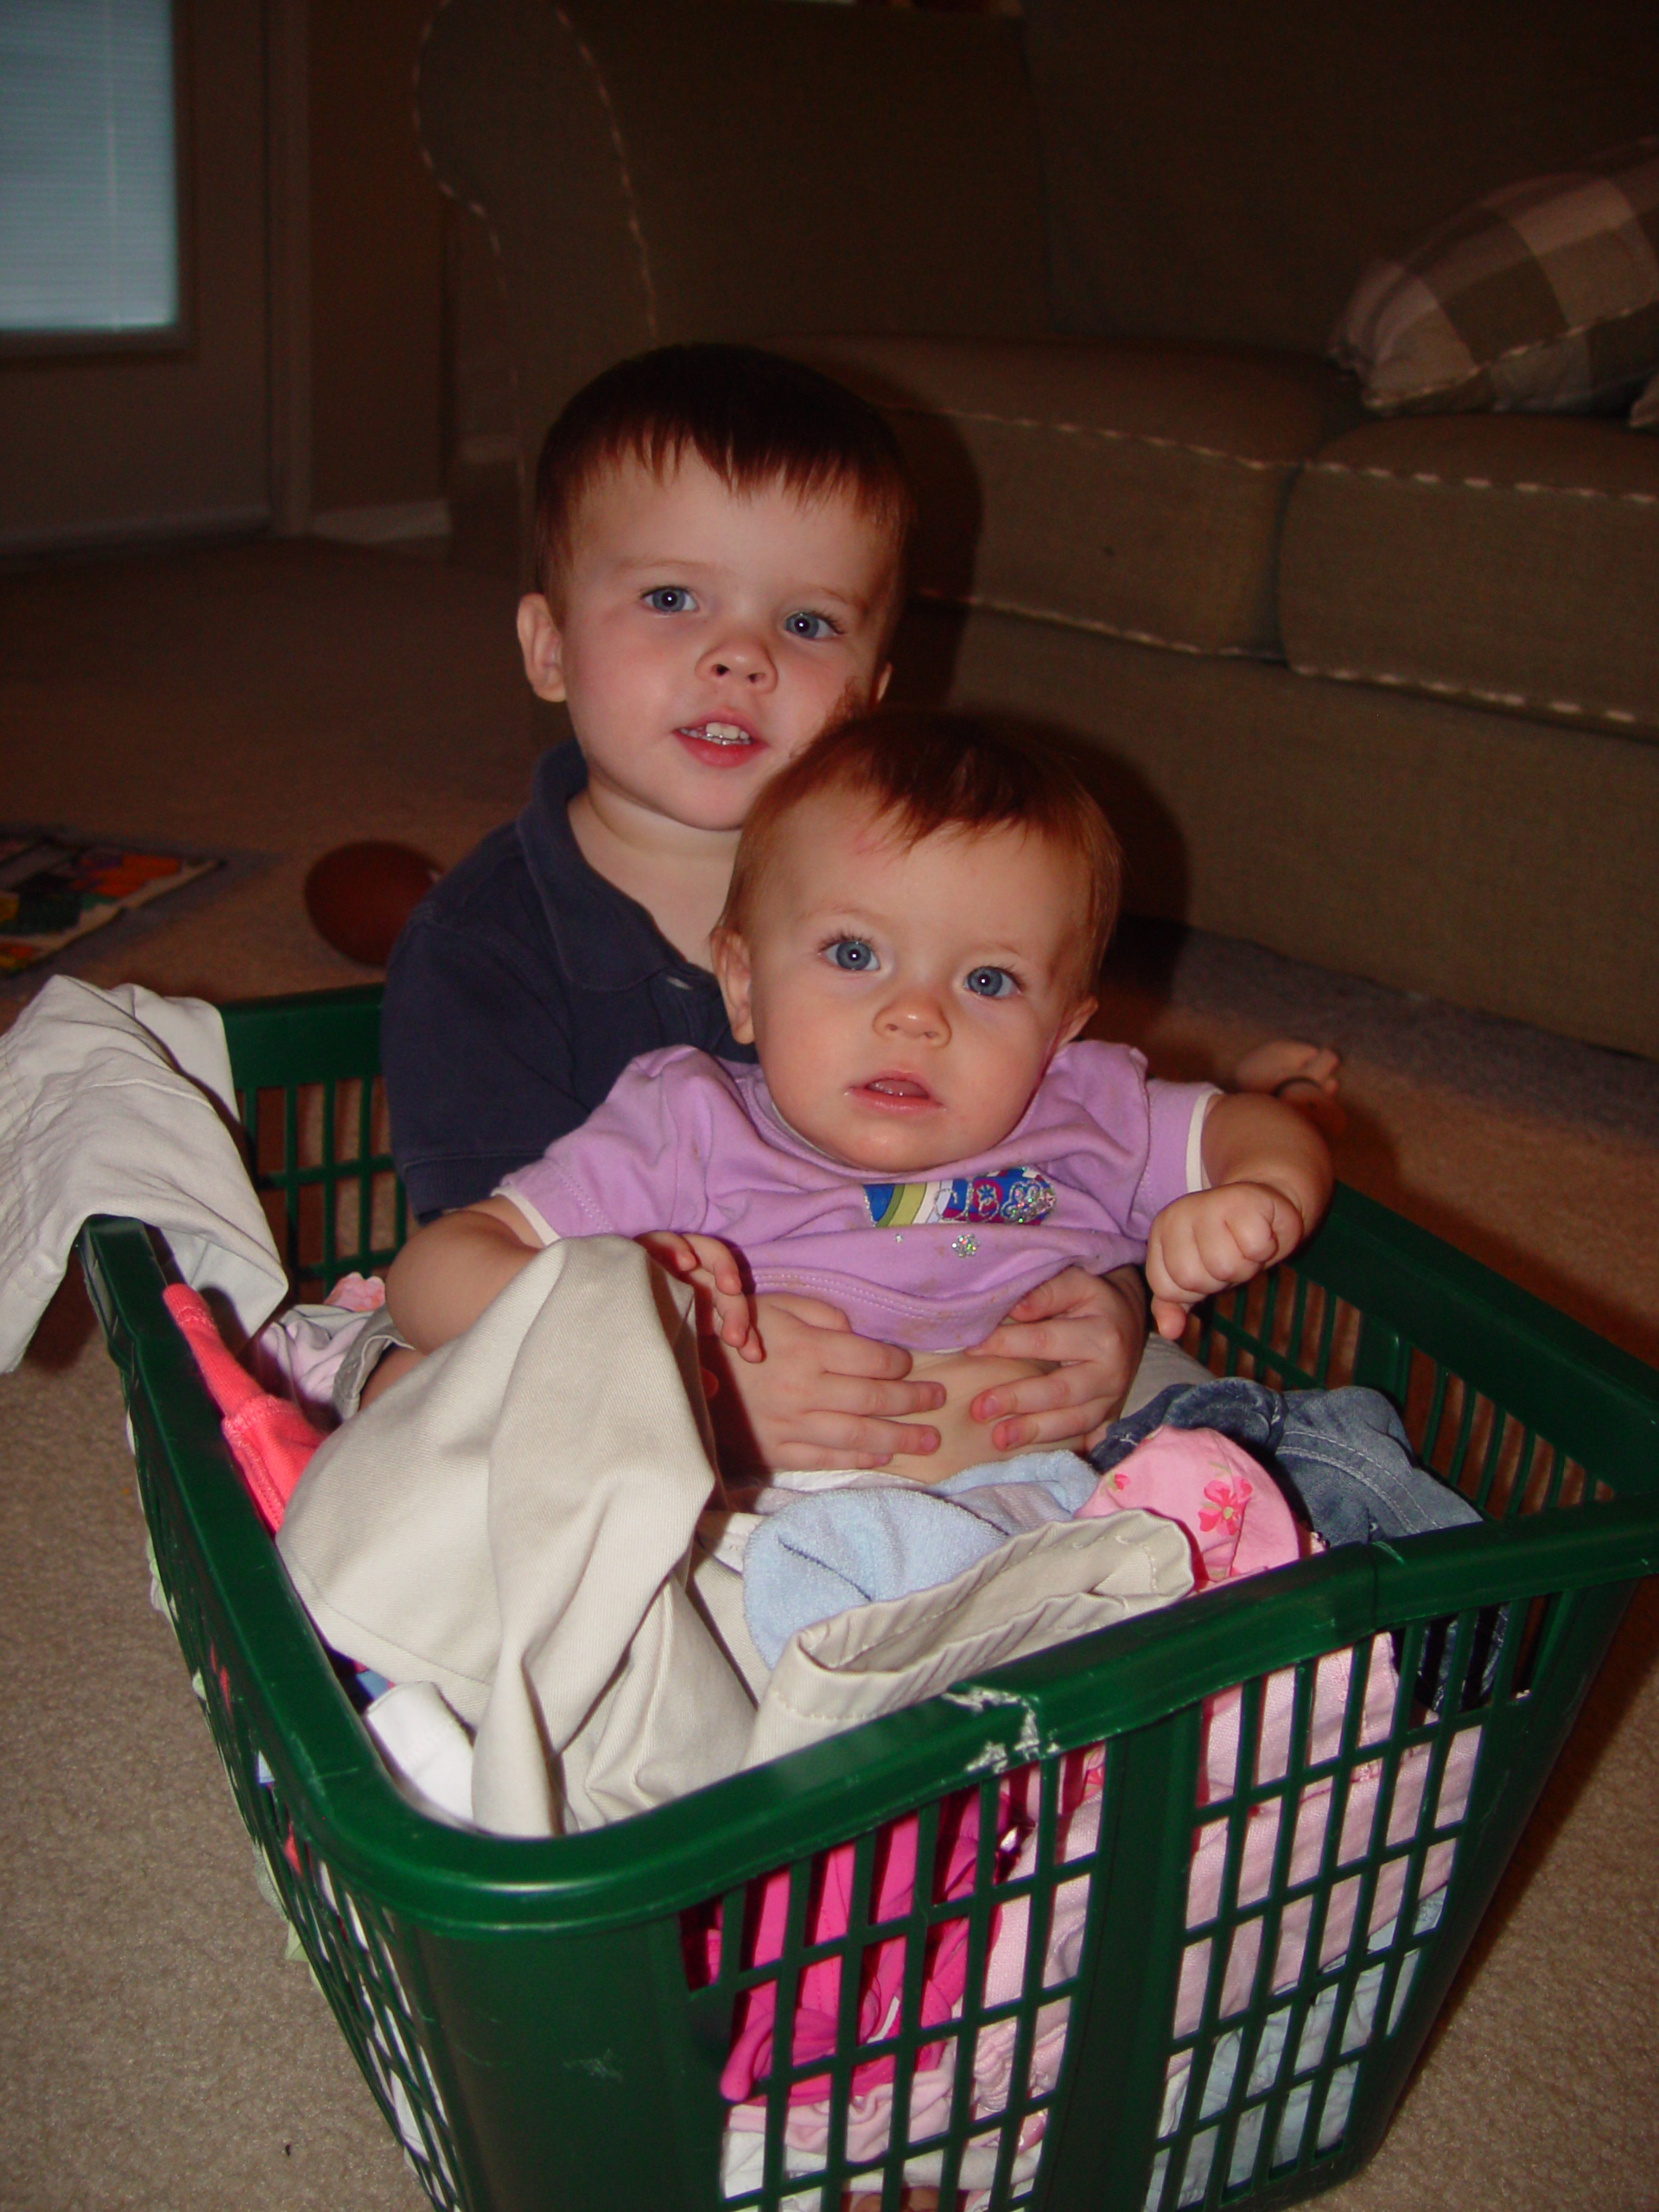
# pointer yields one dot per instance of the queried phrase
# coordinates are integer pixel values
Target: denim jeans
(1342, 1456)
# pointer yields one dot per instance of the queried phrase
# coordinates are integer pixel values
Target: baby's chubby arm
(451, 1270)
(1270, 1175)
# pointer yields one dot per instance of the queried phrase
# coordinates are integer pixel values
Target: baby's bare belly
(964, 1442)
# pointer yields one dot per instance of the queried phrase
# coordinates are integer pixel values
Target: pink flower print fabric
(1238, 1520)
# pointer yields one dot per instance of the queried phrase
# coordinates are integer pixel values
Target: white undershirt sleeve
(1196, 1178)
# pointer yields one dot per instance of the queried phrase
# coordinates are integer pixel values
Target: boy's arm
(449, 1272)
(1271, 1177)
(1096, 1327)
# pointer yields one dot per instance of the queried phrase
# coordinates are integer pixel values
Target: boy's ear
(881, 683)
(731, 959)
(541, 646)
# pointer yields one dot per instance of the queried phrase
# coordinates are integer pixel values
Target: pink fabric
(819, 1994)
(1238, 1519)
(688, 1142)
(270, 1438)
(1239, 1522)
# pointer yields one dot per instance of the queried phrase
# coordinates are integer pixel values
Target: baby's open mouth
(898, 1086)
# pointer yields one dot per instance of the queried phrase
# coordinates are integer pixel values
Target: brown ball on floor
(360, 896)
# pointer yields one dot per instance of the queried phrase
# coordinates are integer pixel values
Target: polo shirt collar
(605, 940)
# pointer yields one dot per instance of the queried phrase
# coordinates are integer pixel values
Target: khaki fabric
(1224, 170)
(1037, 1590)
(514, 1523)
(1134, 488)
(1508, 562)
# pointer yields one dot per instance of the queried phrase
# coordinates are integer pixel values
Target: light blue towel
(829, 1549)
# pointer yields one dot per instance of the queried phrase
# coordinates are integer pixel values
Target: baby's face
(704, 636)
(905, 1003)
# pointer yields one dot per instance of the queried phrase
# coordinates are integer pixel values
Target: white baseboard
(383, 525)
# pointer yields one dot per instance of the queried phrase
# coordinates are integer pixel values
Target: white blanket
(121, 1101)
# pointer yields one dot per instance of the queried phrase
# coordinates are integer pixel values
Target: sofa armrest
(656, 170)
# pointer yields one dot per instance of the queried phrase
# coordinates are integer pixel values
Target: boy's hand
(712, 1269)
(1211, 1240)
(823, 1398)
(1095, 1328)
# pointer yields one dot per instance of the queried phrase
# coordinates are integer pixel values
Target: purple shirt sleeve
(1175, 1164)
(620, 1173)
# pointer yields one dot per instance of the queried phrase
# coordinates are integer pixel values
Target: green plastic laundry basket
(544, 2024)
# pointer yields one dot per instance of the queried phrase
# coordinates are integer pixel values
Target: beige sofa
(1382, 694)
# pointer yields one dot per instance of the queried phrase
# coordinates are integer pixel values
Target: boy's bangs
(752, 418)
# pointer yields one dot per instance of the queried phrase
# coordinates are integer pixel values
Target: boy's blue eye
(852, 954)
(991, 982)
(805, 624)
(668, 598)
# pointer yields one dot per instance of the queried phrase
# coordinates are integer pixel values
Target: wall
(377, 263)
(109, 445)
(130, 446)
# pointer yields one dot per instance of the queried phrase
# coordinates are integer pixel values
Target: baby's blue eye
(668, 598)
(852, 954)
(808, 625)
(991, 983)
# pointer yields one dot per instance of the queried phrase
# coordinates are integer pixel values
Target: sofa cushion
(1511, 560)
(1545, 295)
(1135, 489)
(1224, 169)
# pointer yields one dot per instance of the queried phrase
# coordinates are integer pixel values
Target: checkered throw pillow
(1545, 295)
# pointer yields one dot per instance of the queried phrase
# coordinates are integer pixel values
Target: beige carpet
(157, 2053)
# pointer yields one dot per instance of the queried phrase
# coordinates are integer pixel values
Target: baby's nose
(916, 1013)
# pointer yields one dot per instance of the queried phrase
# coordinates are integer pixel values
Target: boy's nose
(744, 657)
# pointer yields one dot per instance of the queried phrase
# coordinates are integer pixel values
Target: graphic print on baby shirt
(1021, 1195)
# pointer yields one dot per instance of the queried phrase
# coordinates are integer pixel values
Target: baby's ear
(730, 955)
(1076, 1020)
(541, 646)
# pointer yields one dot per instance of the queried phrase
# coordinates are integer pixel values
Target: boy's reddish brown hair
(922, 772)
(753, 417)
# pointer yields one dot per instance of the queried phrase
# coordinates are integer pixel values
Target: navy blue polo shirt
(521, 987)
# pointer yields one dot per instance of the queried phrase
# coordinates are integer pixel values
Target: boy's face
(704, 637)
(905, 1003)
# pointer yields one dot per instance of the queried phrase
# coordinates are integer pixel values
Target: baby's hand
(711, 1268)
(1211, 1240)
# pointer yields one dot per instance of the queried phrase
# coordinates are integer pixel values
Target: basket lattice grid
(346, 1939)
(1277, 2079)
(1018, 1864)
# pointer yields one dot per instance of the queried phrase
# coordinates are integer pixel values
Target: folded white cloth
(121, 1101)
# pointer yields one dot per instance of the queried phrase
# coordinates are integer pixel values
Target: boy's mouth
(723, 736)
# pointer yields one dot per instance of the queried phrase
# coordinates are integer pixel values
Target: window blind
(89, 228)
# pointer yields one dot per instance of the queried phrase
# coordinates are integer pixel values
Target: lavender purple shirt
(688, 1142)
